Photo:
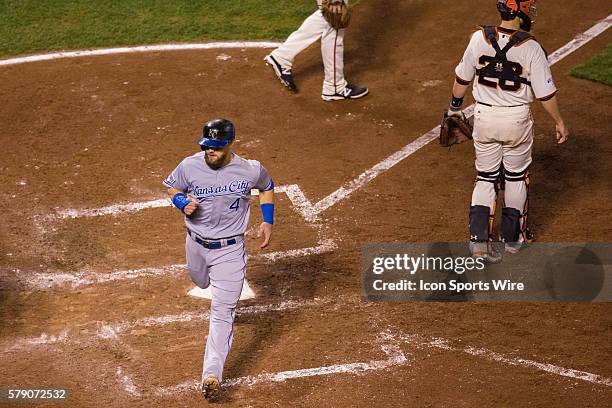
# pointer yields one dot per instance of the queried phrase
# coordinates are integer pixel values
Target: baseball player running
(316, 27)
(213, 189)
(509, 68)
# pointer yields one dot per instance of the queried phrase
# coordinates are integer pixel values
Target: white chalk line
(43, 340)
(444, 344)
(299, 202)
(138, 49)
(112, 331)
(128, 383)
(50, 280)
(386, 341)
(75, 280)
(364, 178)
(324, 246)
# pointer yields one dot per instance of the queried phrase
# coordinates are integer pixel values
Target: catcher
(328, 24)
(509, 69)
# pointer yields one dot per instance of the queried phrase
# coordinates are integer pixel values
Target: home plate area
(95, 219)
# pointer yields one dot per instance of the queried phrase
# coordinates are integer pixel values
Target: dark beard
(214, 165)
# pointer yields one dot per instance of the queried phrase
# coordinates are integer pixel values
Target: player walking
(316, 27)
(510, 67)
(213, 189)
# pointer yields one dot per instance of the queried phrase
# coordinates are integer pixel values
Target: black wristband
(456, 102)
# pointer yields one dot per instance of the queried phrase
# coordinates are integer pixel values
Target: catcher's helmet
(525, 9)
(217, 133)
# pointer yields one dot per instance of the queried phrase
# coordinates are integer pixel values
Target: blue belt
(212, 244)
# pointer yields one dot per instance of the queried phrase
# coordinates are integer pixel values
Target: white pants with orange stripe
(315, 27)
(503, 135)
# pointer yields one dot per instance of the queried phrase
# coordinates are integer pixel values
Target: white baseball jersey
(527, 57)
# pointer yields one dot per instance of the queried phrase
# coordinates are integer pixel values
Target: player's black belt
(209, 243)
(498, 106)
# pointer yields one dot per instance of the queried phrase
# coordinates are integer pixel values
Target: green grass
(29, 26)
(598, 68)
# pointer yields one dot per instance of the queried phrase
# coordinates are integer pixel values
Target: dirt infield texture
(96, 131)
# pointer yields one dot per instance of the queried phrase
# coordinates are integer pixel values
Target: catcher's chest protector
(498, 66)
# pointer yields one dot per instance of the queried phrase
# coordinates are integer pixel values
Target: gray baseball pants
(224, 271)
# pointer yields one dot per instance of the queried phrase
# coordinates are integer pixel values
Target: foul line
(364, 178)
(138, 49)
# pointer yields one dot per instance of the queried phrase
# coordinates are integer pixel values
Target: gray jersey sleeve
(177, 178)
(264, 182)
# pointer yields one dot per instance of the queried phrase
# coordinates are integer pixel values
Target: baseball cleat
(349, 92)
(482, 250)
(211, 388)
(283, 74)
(513, 247)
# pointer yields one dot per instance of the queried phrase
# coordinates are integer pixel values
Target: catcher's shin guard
(479, 223)
(486, 191)
(510, 225)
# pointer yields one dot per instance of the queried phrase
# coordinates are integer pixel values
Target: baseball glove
(337, 19)
(454, 130)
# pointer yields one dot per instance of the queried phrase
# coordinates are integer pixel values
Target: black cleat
(350, 92)
(283, 74)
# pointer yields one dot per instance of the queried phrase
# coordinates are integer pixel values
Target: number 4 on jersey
(235, 205)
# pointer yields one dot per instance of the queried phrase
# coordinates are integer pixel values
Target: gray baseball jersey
(223, 195)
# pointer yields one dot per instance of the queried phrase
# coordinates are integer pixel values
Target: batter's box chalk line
(386, 340)
(107, 331)
(444, 344)
(74, 280)
(298, 201)
(113, 331)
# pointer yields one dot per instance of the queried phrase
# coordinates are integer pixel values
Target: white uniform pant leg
(332, 51)
(489, 154)
(517, 158)
(227, 273)
(502, 135)
(310, 31)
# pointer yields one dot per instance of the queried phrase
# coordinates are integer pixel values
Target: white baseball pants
(315, 27)
(502, 135)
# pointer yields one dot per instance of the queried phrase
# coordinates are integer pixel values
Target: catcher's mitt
(337, 19)
(454, 130)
